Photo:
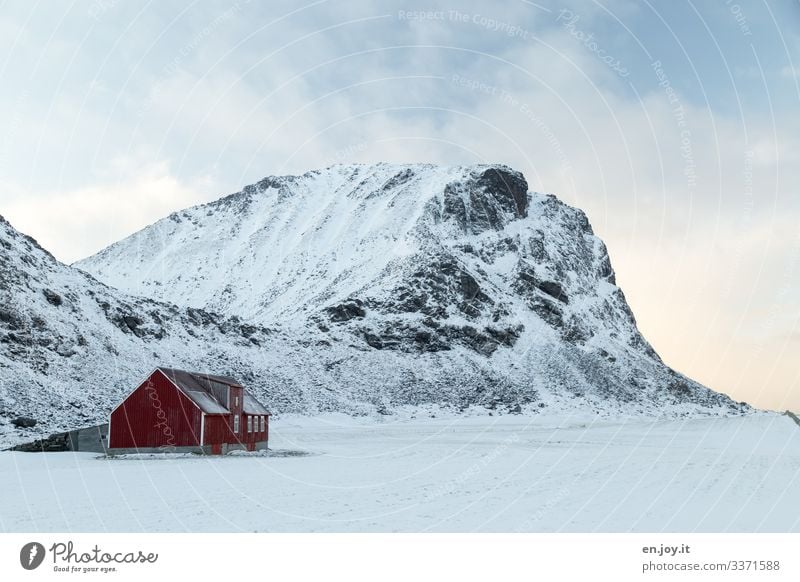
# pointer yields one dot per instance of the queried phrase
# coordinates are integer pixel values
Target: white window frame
(236, 400)
(263, 423)
(249, 424)
(236, 424)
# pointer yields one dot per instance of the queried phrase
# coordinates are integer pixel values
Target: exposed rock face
(409, 284)
(70, 347)
(24, 422)
(354, 288)
(486, 200)
(54, 443)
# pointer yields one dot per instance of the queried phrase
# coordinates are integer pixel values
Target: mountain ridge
(401, 257)
(359, 289)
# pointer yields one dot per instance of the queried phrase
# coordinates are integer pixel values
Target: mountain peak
(353, 288)
(341, 219)
(394, 274)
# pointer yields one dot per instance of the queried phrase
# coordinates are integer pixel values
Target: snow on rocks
(357, 288)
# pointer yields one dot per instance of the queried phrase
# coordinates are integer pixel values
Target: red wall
(156, 414)
(256, 435)
(218, 430)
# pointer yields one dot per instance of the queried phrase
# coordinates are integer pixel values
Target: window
(263, 423)
(236, 401)
(249, 424)
(236, 424)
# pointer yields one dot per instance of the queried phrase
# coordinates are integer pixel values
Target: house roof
(210, 392)
(252, 406)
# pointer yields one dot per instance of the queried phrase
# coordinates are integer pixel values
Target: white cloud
(79, 222)
(694, 260)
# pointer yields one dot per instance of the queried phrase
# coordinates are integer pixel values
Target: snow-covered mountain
(70, 347)
(354, 288)
(403, 284)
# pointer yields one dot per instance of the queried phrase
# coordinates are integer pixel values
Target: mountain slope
(414, 283)
(70, 347)
(423, 241)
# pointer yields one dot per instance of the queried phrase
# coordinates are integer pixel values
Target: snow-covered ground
(456, 473)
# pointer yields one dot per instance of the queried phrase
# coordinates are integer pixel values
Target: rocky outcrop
(488, 199)
(354, 288)
(70, 347)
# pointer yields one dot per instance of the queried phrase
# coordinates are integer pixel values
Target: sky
(673, 125)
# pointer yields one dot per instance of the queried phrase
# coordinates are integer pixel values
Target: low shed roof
(252, 406)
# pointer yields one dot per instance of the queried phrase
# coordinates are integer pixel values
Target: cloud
(79, 222)
(116, 127)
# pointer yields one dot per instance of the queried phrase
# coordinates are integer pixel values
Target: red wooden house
(175, 410)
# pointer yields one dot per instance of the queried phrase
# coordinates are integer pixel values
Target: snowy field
(454, 474)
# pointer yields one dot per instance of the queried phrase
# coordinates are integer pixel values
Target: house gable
(156, 414)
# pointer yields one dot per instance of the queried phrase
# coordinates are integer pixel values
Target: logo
(31, 555)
